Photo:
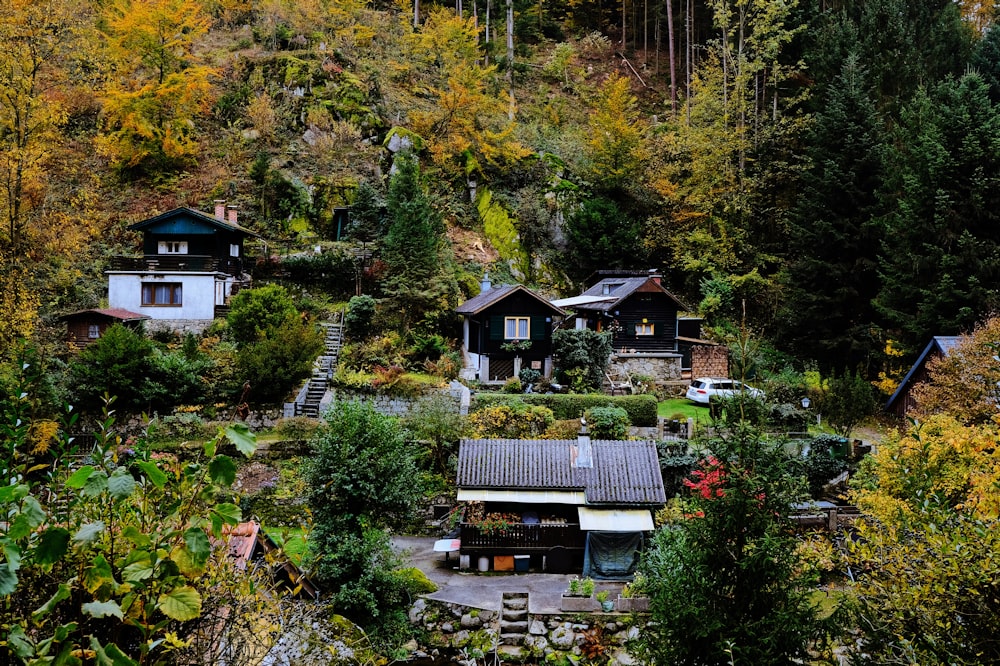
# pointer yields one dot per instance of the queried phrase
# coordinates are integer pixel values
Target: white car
(702, 389)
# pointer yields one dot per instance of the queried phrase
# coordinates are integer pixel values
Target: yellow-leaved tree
(156, 87)
(616, 146)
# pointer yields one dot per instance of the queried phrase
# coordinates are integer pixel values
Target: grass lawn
(668, 408)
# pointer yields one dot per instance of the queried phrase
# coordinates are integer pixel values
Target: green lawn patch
(668, 409)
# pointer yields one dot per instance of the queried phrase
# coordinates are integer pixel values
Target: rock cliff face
(457, 633)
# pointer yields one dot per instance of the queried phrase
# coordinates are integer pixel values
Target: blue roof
(940, 343)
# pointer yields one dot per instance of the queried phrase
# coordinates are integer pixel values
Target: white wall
(198, 294)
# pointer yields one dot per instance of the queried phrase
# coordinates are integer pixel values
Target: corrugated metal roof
(624, 471)
(623, 287)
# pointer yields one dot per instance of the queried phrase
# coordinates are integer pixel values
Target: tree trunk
(416, 13)
(510, 56)
(673, 62)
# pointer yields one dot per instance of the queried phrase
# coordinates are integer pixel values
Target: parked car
(702, 389)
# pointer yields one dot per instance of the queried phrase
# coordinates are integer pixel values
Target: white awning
(615, 520)
(582, 300)
(521, 496)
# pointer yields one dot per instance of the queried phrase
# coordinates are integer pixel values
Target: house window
(516, 328)
(610, 287)
(643, 329)
(161, 293)
(93, 331)
(234, 250)
(172, 247)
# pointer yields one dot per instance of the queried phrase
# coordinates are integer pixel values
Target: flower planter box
(579, 604)
(632, 604)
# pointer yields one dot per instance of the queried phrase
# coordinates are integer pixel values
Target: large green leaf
(222, 470)
(110, 654)
(8, 580)
(240, 435)
(19, 643)
(89, 531)
(24, 523)
(181, 604)
(52, 546)
(97, 574)
(197, 542)
(187, 564)
(121, 484)
(96, 484)
(136, 536)
(140, 567)
(153, 473)
(80, 476)
(61, 594)
(102, 609)
(224, 514)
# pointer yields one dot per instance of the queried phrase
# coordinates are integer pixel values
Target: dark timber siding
(657, 309)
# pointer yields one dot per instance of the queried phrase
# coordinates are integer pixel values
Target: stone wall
(457, 630)
(402, 406)
(662, 367)
(709, 361)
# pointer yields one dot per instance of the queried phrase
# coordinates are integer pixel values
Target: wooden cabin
(86, 326)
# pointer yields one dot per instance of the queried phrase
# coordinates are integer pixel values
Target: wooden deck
(522, 538)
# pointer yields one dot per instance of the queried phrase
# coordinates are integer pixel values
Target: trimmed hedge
(641, 409)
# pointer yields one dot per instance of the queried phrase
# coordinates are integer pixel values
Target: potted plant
(633, 596)
(579, 597)
(606, 605)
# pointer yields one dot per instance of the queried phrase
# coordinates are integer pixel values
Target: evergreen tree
(723, 580)
(419, 281)
(941, 256)
(600, 236)
(830, 279)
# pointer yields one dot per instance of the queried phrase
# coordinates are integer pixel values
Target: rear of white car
(703, 389)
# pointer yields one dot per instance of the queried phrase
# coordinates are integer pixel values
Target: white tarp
(615, 520)
(582, 300)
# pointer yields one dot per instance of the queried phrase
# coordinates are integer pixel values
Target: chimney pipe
(485, 285)
(220, 209)
(584, 458)
(232, 214)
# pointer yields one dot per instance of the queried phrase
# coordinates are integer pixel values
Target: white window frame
(172, 247)
(152, 291)
(93, 331)
(234, 250)
(643, 328)
(517, 328)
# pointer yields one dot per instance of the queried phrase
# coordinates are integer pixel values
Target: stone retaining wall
(661, 367)
(459, 630)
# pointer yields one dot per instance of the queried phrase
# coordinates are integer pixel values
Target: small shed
(576, 503)
(902, 402)
(505, 329)
(85, 326)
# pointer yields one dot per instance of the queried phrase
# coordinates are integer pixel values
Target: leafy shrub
(582, 350)
(359, 317)
(641, 409)
(384, 350)
(823, 463)
(529, 376)
(513, 385)
(255, 311)
(428, 347)
(296, 427)
(275, 364)
(510, 421)
(607, 422)
(333, 269)
(448, 366)
(416, 581)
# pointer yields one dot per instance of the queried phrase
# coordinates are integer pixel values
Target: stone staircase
(323, 370)
(513, 618)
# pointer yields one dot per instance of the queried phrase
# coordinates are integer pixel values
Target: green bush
(254, 312)
(607, 422)
(513, 385)
(359, 316)
(333, 269)
(275, 365)
(584, 351)
(416, 581)
(641, 409)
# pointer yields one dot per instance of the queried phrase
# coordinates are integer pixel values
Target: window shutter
(630, 328)
(538, 328)
(659, 328)
(496, 328)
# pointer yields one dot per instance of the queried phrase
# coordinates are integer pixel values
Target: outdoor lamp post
(805, 402)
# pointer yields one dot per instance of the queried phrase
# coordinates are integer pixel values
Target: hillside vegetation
(777, 161)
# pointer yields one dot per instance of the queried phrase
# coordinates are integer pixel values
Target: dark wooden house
(191, 264)
(86, 326)
(563, 504)
(642, 317)
(902, 402)
(506, 329)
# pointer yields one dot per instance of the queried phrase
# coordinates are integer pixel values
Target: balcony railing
(523, 537)
(180, 262)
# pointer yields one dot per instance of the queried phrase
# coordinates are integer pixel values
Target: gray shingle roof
(624, 472)
(490, 296)
(627, 287)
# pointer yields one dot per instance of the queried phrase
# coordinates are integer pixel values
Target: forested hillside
(826, 169)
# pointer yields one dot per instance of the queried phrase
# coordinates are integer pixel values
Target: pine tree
(940, 263)
(831, 279)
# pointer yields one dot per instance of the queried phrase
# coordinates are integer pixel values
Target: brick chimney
(220, 209)
(655, 276)
(582, 454)
(232, 215)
